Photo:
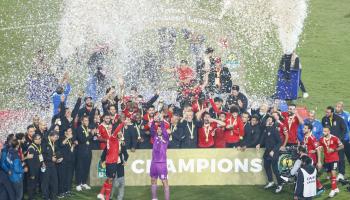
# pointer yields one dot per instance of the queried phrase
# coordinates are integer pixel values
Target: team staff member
(252, 137)
(143, 136)
(34, 165)
(84, 154)
(49, 182)
(339, 110)
(337, 128)
(190, 126)
(331, 145)
(237, 98)
(272, 141)
(66, 167)
(175, 132)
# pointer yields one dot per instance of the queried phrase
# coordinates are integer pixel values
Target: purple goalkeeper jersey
(160, 144)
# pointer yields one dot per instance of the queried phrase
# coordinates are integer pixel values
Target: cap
(235, 87)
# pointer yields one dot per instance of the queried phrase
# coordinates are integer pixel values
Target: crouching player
(159, 159)
(330, 145)
(111, 160)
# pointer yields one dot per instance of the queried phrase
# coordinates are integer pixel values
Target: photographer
(305, 188)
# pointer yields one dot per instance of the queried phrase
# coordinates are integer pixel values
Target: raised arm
(215, 108)
(152, 129)
(76, 108)
(164, 131)
(221, 123)
(117, 130)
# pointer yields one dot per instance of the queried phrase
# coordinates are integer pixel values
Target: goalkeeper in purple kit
(159, 158)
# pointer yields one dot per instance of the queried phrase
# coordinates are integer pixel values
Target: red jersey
(185, 73)
(282, 128)
(331, 143)
(104, 132)
(234, 135)
(197, 107)
(128, 113)
(115, 118)
(112, 155)
(219, 137)
(311, 145)
(206, 135)
(292, 125)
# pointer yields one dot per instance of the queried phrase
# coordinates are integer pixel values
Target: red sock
(334, 182)
(318, 184)
(103, 188)
(108, 190)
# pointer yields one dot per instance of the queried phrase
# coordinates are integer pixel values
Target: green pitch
(324, 51)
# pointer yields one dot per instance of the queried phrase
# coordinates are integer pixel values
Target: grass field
(324, 50)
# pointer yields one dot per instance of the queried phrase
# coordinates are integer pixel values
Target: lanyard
(69, 143)
(37, 148)
(190, 130)
(206, 132)
(85, 131)
(52, 147)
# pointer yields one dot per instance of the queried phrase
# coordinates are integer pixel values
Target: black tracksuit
(145, 141)
(84, 154)
(130, 136)
(175, 137)
(65, 123)
(339, 129)
(123, 155)
(49, 182)
(232, 100)
(225, 79)
(272, 141)
(66, 167)
(252, 135)
(187, 127)
(34, 165)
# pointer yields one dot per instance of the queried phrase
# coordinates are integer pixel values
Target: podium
(287, 84)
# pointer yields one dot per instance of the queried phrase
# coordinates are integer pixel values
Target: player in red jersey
(292, 119)
(112, 158)
(219, 137)
(311, 144)
(330, 145)
(234, 128)
(105, 130)
(207, 131)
